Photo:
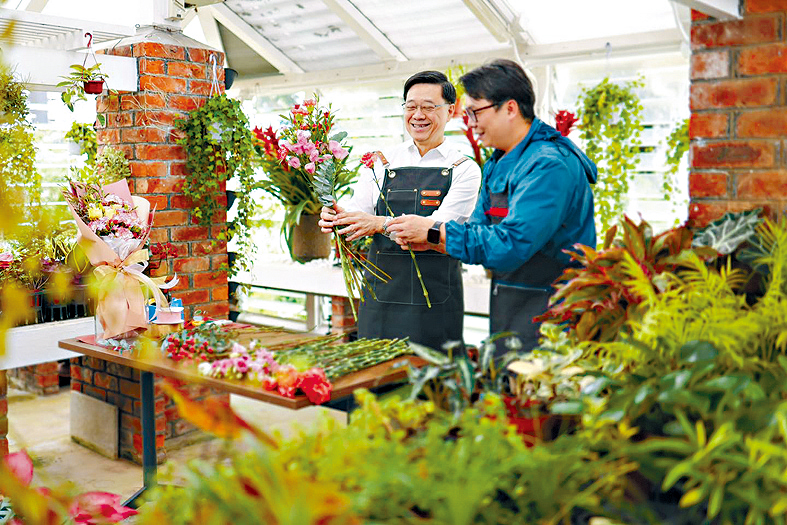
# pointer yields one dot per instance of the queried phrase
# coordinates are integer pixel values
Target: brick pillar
(342, 320)
(173, 79)
(3, 413)
(739, 111)
(42, 379)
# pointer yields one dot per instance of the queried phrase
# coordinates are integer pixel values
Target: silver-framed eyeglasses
(426, 109)
(471, 113)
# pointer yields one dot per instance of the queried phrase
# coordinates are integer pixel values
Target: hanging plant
(611, 123)
(219, 145)
(677, 146)
(85, 137)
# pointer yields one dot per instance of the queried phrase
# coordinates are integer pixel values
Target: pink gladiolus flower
(21, 466)
(298, 110)
(310, 168)
(6, 258)
(338, 151)
(95, 508)
(310, 103)
(314, 155)
(294, 162)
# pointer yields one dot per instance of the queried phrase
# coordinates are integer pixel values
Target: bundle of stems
(353, 263)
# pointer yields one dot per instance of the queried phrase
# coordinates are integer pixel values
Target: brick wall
(3, 413)
(342, 320)
(738, 106)
(41, 379)
(172, 80)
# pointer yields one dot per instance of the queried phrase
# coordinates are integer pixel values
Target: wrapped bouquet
(113, 227)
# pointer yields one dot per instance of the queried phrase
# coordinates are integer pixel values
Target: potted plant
(219, 146)
(82, 80)
(82, 139)
(290, 157)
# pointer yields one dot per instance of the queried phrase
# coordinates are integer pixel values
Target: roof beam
(366, 30)
(498, 17)
(252, 38)
(210, 28)
(653, 42)
(721, 9)
(36, 5)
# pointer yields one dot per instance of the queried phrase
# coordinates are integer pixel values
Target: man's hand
(410, 229)
(328, 216)
(356, 224)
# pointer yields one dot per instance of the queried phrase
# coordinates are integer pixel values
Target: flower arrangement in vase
(292, 155)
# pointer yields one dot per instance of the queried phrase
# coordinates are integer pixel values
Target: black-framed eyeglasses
(471, 113)
(410, 107)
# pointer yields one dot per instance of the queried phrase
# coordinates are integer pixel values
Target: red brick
(186, 103)
(191, 264)
(209, 247)
(220, 294)
(181, 248)
(105, 103)
(738, 154)
(713, 64)
(76, 372)
(130, 388)
(195, 297)
(707, 184)
(182, 427)
(119, 120)
(218, 262)
(762, 184)
(190, 233)
(142, 101)
(763, 60)
(182, 202)
(175, 135)
(105, 381)
(199, 87)
(76, 386)
(170, 218)
(763, 123)
(121, 51)
(209, 279)
(708, 125)
(157, 202)
(766, 6)
(203, 55)
(165, 185)
(701, 213)
(159, 234)
(751, 30)
(143, 135)
(94, 392)
(178, 169)
(160, 152)
(156, 118)
(216, 232)
(166, 84)
(186, 69)
(216, 310)
(47, 368)
(171, 414)
(152, 49)
(148, 66)
(147, 169)
(94, 363)
(108, 136)
(734, 93)
(696, 16)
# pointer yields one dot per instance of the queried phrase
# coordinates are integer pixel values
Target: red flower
(316, 386)
(368, 159)
(95, 508)
(564, 121)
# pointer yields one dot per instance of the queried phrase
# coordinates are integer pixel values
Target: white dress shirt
(458, 203)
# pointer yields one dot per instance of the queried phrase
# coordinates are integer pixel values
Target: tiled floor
(41, 425)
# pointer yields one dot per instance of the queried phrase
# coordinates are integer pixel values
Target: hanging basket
(94, 87)
(308, 242)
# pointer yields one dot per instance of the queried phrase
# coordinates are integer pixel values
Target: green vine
(611, 117)
(677, 146)
(85, 136)
(219, 146)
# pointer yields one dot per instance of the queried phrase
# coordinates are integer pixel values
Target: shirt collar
(443, 149)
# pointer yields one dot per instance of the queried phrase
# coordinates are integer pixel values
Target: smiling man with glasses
(535, 202)
(428, 178)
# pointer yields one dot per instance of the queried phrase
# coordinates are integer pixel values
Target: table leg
(148, 436)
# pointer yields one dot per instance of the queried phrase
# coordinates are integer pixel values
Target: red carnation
(316, 386)
(564, 121)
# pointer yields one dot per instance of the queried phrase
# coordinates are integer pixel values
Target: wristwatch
(433, 235)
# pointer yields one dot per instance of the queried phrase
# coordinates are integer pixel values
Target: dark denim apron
(521, 294)
(400, 309)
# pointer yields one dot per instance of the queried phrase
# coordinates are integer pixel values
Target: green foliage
(677, 147)
(611, 122)
(727, 234)
(219, 147)
(85, 136)
(112, 165)
(74, 84)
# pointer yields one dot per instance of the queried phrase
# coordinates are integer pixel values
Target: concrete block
(94, 424)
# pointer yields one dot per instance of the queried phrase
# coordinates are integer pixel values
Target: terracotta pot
(94, 87)
(308, 242)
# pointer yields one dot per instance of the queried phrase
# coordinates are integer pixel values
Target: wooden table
(384, 373)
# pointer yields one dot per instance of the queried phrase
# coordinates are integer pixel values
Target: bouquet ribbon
(121, 303)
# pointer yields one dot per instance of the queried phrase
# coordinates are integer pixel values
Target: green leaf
(725, 235)
(695, 351)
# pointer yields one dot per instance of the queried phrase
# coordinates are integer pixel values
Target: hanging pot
(229, 77)
(308, 242)
(74, 148)
(94, 87)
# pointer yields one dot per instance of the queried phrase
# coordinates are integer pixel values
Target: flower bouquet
(291, 156)
(113, 227)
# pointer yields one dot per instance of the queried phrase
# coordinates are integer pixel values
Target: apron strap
(382, 158)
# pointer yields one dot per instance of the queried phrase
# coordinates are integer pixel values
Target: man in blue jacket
(535, 202)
